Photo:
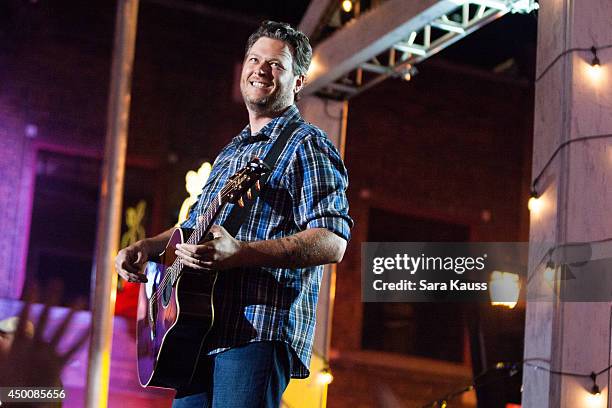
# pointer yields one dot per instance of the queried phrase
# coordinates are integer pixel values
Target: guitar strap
(238, 215)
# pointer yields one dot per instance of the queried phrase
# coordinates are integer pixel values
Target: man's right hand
(129, 262)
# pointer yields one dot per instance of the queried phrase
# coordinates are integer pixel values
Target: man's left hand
(222, 252)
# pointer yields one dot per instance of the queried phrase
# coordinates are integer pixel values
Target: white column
(576, 197)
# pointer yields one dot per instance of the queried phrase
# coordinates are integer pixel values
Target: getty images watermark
(488, 272)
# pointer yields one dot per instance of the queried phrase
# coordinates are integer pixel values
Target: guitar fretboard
(202, 226)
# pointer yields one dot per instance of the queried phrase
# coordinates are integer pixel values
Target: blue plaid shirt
(305, 190)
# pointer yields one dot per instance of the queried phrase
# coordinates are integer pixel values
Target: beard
(269, 104)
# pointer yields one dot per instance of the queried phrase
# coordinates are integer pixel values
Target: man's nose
(263, 68)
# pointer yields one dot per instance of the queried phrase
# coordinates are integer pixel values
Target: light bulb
(595, 62)
(325, 377)
(594, 69)
(594, 72)
(535, 204)
(594, 400)
(347, 6)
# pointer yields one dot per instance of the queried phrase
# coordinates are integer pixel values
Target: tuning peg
(257, 185)
(240, 202)
(249, 194)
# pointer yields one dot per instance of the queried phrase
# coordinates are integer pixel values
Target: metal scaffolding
(433, 35)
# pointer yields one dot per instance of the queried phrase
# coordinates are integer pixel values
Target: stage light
(325, 377)
(504, 289)
(347, 6)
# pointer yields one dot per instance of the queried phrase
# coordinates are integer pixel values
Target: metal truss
(444, 30)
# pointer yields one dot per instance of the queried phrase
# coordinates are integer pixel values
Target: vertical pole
(109, 211)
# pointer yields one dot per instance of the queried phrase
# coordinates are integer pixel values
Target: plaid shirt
(305, 190)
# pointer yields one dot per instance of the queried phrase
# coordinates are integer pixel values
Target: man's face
(267, 83)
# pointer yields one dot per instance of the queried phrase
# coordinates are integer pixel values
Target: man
(266, 293)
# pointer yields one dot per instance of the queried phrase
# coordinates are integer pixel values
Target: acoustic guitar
(175, 307)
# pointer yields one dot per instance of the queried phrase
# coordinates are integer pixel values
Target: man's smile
(260, 84)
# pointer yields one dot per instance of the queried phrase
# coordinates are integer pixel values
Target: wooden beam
(372, 33)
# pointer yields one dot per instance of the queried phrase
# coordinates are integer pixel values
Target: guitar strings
(172, 272)
(172, 269)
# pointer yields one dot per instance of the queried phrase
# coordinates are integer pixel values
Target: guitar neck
(206, 221)
(202, 227)
(237, 185)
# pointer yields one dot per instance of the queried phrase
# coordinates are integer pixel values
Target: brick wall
(55, 58)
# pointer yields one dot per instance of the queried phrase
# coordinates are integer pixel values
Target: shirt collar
(273, 128)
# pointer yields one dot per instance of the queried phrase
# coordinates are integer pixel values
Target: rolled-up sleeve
(317, 181)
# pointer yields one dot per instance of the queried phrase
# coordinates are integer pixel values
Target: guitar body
(175, 306)
(172, 320)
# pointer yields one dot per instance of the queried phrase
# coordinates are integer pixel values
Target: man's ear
(300, 81)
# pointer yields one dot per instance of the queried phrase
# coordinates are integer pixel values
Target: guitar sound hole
(166, 294)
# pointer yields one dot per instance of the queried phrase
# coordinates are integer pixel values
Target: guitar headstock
(241, 182)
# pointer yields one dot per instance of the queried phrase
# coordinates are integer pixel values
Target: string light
(512, 369)
(325, 377)
(593, 50)
(550, 273)
(594, 397)
(595, 388)
(594, 401)
(594, 69)
(347, 6)
(535, 203)
(595, 62)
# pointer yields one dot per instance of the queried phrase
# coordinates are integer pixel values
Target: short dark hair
(297, 41)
